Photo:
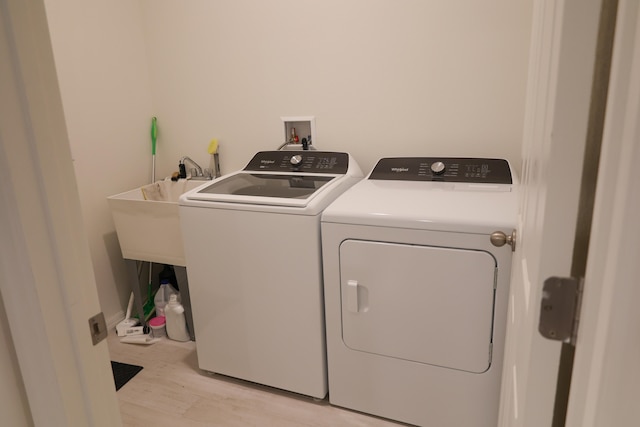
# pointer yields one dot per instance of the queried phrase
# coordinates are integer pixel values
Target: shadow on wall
(121, 278)
(120, 271)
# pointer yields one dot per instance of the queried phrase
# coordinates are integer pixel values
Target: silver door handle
(498, 238)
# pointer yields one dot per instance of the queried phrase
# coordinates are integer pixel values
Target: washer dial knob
(437, 168)
(296, 160)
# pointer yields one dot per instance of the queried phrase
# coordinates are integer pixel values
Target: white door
(605, 385)
(561, 73)
(558, 94)
(46, 279)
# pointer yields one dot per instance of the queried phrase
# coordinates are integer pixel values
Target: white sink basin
(149, 230)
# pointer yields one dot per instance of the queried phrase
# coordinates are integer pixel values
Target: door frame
(606, 382)
(47, 282)
(563, 40)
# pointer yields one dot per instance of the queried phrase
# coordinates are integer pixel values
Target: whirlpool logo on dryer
(399, 170)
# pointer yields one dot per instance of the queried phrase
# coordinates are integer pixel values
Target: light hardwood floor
(171, 391)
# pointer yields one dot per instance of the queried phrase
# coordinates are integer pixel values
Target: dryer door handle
(352, 296)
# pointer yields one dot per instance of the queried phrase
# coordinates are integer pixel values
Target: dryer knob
(296, 160)
(437, 168)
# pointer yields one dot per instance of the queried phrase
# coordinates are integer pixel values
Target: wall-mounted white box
(305, 127)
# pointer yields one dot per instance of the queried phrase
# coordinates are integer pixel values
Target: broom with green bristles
(149, 305)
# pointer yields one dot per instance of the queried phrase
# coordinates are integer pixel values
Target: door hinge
(560, 308)
(97, 328)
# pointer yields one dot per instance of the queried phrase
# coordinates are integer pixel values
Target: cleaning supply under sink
(158, 327)
(168, 274)
(163, 296)
(125, 327)
(175, 321)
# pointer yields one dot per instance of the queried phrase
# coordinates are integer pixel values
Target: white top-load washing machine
(415, 291)
(253, 254)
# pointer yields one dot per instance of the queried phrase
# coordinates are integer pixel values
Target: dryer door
(426, 304)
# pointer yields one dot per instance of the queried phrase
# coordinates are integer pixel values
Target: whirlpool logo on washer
(267, 162)
(399, 170)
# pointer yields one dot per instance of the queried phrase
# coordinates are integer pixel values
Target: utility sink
(147, 221)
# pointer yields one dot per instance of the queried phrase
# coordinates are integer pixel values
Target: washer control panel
(310, 161)
(443, 169)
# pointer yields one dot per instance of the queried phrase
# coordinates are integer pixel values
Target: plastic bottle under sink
(163, 296)
(175, 321)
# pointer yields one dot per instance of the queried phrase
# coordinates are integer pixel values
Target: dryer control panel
(443, 169)
(309, 161)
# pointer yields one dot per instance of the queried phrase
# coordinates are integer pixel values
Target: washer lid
(298, 179)
(264, 188)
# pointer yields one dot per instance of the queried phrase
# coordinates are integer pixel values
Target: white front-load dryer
(253, 254)
(416, 292)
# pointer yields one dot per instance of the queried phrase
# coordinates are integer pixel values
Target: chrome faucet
(183, 170)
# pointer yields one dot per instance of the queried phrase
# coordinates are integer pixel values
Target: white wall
(102, 69)
(382, 78)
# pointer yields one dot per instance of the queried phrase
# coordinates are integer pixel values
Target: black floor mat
(123, 372)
